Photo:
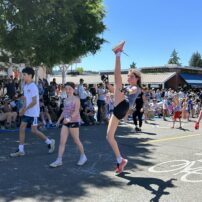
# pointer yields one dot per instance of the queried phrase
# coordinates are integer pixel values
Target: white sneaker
(17, 153)
(82, 160)
(51, 146)
(56, 164)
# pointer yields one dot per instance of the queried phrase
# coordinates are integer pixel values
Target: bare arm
(34, 101)
(133, 90)
(24, 109)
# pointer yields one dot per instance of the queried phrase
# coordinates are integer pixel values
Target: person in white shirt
(30, 113)
(82, 93)
(101, 91)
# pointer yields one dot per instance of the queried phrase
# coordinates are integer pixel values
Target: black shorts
(72, 125)
(121, 109)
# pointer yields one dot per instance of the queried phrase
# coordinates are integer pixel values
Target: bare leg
(23, 126)
(199, 117)
(14, 116)
(48, 116)
(173, 123)
(63, 139)
(118, 97)
(112, 126)
(8, 117)
(75, 135)
(38, 133)
(180, 123)
(43, 118)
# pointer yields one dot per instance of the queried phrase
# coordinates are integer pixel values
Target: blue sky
(151, 29)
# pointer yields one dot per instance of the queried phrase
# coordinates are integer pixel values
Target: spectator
(10, 87)
(101, 91)
(82, 93)
(88, 112)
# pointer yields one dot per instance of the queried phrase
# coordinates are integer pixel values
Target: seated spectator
(109, 105)
(156, 108)
(44, 114)
(53, 108)
(10, 114)
(146, 108)
(88, 112)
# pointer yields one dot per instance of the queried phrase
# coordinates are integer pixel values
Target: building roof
(157, 77)
(148, 78)
(173, 66)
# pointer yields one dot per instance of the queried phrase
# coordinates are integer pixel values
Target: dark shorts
(72, 125)
(30, 120)
(121, 109)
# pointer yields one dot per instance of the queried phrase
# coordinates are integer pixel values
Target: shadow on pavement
(147, 133)
(147, 183)
(30, 176)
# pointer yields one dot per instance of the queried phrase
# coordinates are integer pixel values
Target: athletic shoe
(17, 153)
(119, 47)
(121, 166)
(135, 130)
(51, 146)
(56, 163)
(197, 125)
(82, 160)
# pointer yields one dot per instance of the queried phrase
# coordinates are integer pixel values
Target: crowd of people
(97, 104)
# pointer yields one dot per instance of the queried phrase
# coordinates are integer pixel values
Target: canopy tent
(195, 80)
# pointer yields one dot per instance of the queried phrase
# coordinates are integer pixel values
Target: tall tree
(80, 70)
(195, 60)
(51, 31)
(133, 65)
(174, 59)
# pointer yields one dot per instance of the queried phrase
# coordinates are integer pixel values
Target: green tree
(51, 31)
(195, 60)
(133, 65)
(174, 59)
(80, 70)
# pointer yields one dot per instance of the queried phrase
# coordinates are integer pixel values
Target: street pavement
(164, 165)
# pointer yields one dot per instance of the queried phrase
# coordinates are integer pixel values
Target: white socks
(21, 147)
(118, 54)
(48, 141)
(59, 159)
(119, 159)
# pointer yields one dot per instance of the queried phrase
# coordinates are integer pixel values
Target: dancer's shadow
(147, 183)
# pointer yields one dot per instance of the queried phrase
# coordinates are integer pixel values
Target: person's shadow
(146, 182)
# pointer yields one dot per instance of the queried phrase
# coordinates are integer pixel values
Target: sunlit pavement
(164, 165)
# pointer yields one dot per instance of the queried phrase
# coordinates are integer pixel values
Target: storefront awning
(195, 80)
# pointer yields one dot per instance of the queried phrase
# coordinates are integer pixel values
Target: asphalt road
(164, 165)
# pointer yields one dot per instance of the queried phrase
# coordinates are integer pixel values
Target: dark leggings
(138, 114)
(100, 105)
